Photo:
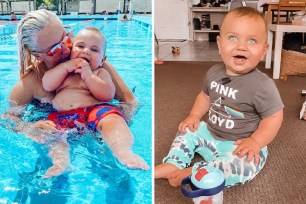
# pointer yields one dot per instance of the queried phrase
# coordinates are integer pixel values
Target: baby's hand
(84, 70)
(73, 64)
(192, 122)
(248, 146)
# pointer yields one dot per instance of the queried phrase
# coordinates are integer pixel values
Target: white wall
(171, 19)
(22, 6)
(109, 6)
(142, 6)
(85, 6)
(72, 6)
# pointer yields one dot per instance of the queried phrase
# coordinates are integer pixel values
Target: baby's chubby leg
(119, 138)
(179, 157)
(59, 154)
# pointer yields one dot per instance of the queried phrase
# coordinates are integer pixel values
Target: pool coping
(142, 19)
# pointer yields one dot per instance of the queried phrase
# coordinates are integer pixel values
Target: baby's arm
(199, 109)
(99, 82)
(265, 133)
(53, 78)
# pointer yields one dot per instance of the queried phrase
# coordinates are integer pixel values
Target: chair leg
(287, 16)
(156, 39)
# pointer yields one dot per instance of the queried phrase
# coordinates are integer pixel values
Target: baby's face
(89, 45)
(242, 43)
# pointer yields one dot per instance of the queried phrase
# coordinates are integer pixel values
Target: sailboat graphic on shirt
(228, 110)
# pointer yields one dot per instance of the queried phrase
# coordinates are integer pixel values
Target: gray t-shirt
(239, 103)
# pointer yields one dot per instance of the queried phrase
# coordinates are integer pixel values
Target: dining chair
(290, 5)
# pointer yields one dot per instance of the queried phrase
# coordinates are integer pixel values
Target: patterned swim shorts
(89, 116)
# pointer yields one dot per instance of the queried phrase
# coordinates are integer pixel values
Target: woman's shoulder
(31, 77)
(35, 71)
(29, 87)
(23, 91)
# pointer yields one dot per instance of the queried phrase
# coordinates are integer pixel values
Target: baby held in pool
(83, 90)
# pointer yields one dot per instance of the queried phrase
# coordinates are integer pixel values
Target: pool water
(96, 176)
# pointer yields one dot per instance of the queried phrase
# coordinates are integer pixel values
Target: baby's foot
(132, 160)
(55, 170)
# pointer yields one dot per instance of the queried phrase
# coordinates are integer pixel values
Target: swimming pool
(96, 177)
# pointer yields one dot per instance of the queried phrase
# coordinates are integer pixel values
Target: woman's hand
(192, 122)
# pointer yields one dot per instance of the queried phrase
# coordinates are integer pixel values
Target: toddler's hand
(73, 64)
(248, 146)
(84, 70)
(192, 122)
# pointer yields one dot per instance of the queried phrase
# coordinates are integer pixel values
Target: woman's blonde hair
(27, 30)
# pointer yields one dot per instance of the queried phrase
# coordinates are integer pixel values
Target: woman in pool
(42, 44)
(40, 34)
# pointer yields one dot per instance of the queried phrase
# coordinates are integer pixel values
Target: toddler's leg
(119, 138)
(59, 154)
(180, 155)
(216, 153)
(236, 171)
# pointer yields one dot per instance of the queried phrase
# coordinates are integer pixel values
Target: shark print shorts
(216, 153)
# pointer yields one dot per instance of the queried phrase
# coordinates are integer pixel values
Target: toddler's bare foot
(175, 178)
(55, 170)
(132, 160)
(162, 170)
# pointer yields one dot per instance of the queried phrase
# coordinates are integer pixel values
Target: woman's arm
(23, 92)
(123, 93)
(129, 102)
